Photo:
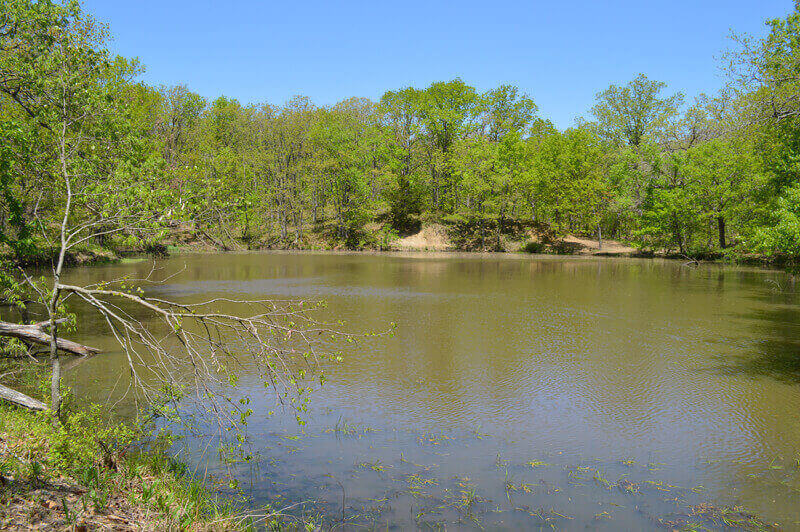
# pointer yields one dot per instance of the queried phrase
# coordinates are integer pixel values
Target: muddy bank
(47, 257)
(438, 237)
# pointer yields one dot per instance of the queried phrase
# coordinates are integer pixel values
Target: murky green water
(521, 392)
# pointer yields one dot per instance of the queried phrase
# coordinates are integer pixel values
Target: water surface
(520, 391)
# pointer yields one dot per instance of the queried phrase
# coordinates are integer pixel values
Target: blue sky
(560, 52)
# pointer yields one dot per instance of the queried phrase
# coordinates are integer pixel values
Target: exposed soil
(590, 247)
(432, 237)
(60, 504)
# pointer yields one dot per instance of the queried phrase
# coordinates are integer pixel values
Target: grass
(522, 486)
(602, 481)
(464, 501)
(730, 517)
(427, 438)
(417, 486)
(86, 471)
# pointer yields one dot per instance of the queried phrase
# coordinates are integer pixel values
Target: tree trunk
(721, 227)
(314, 211)
(678, 235)
(298, 232)
(599, 237)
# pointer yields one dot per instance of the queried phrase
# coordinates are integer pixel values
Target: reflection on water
(637, 389)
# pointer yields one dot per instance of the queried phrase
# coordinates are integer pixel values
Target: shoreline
(107, 256)
(63, 477)
(758, 263)
(431, 239)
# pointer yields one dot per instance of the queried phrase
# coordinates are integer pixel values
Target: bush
(474, 232)
(533, 247)
(119, 466)
(156, 250)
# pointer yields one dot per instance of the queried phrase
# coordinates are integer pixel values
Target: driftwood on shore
(35, 334)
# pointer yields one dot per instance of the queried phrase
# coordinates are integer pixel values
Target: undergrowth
(110, 468)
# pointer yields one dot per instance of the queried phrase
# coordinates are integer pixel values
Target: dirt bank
(432, 237)
(611, 248)
(435, 237)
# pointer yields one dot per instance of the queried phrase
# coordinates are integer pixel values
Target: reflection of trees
(515, 340)
(609, 355)
(776, 352)
(501, 338)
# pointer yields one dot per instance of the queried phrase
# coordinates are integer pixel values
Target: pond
(517, 391)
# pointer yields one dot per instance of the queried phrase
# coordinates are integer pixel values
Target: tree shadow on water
(775, 351)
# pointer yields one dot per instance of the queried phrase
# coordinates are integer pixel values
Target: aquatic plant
(376, 465)
(533, 464)
(602, 481)
(344, 427)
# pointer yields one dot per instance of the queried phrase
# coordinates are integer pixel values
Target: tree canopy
(718, 176)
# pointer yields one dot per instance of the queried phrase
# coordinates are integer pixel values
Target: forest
(709, 175)
(96, 164)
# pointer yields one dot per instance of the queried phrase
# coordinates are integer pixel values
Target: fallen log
(21, 399)
(35, 334)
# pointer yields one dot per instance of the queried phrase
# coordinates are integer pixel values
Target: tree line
(90, 158)
(715, 175)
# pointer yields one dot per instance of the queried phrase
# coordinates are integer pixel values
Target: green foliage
(783, 236)
(84, 436)
(475, 232)
(635, 113)
(149, 163)
(572, 188)
(534, 247)
(110, 459)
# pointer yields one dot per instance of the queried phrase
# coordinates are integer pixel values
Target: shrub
(533, 247)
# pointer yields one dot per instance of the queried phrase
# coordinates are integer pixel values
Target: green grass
(98, 455)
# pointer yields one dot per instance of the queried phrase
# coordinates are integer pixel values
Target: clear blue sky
(561, 52)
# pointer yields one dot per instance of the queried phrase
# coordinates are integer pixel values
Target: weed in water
(533, 464)
(600, 479)
(417, 484)
(345, 428)
(377, 465)
(626, 486)
(500, 463)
